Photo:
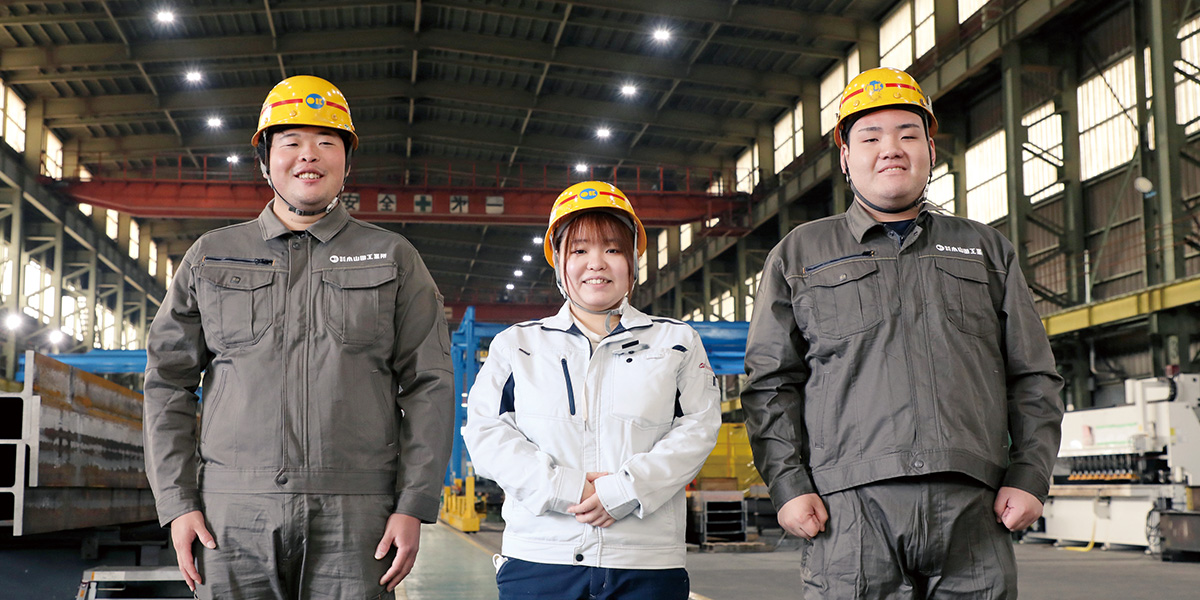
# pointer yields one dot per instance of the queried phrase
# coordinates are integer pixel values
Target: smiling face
(598, 270)
(888, 156)
(308, 166)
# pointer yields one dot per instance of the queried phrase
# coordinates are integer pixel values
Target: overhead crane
(457, 202)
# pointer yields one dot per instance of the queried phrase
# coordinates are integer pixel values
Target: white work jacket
(546, 409)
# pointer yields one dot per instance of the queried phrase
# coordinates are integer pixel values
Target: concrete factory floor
(455, 566)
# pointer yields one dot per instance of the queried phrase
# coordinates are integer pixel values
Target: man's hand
(589, 509)
(403, 532)
(185, 529)
(803, 516)
(1016, 509)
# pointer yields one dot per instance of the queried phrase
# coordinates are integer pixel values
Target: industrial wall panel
(1118, 259)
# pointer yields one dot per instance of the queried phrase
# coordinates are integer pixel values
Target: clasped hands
(590, 510)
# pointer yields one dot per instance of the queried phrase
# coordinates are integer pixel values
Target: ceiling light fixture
(628, 89)
(12, 321)
(510, 287)
(527, 258)
(537, 240)
(193, 76)
(518, 273)
(214, 122)
(581, 168)
(232, 159)
(662, 34)
(603, 133)
(165, 16)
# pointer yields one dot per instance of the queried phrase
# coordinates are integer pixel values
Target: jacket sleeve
(773, 397)
(176, 354)
(1035, 408)
(650, 479)
(421, 363)
(500, 452)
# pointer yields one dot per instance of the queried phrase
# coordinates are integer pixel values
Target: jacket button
(295, 245)
(578, 558)
(281, 480)
(842, 276)
(917, 464)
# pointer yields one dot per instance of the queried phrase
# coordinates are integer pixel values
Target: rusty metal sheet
(79, 461)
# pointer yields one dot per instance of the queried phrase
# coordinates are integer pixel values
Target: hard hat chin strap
(306, 213)
(608, 314)
(890, 211)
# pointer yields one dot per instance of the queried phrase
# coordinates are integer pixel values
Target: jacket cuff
(786, 488)
(176, 505)
(1028, 479)
(568, 487)
(421, 506)
(616, 496)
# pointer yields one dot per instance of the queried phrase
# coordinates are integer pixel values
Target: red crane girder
(381, 203)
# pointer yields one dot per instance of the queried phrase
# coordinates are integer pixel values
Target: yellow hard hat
(305, 100)
(878, 88)
(591, 195)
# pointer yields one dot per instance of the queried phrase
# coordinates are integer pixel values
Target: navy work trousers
(523, 580)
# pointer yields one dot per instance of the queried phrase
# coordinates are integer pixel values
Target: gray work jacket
(870, 360)
(326, 364)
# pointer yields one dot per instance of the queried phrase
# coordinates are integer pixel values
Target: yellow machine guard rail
(458, 511)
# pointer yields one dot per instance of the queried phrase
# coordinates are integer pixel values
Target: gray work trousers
(293, 547)
(924, 537)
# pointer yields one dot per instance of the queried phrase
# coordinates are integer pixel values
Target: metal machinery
(70, 452)
(725, 343)
(1121, 467)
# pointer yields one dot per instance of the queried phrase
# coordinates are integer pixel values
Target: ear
(262, 166)
(843, 154)
(932, 152)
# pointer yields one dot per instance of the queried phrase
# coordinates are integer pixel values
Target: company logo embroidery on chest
(359, 258)
(968, 251)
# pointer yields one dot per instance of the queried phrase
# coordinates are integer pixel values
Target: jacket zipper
(236, 259)
(570, 390)
(838, 260)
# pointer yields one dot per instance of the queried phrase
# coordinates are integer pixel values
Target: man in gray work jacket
(328, 397)
(902, 403)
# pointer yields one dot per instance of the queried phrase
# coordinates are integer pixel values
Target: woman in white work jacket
(593, 420)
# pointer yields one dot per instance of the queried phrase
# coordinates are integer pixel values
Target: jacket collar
(860, 221)
(324, 229)
(631, 318)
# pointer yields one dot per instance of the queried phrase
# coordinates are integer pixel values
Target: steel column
(1164, 211)
(1015, 137)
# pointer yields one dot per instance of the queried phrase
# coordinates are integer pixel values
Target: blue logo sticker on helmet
(588, 194)
(314, 101)
(875, 87)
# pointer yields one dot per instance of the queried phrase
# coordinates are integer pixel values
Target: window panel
(135, 239)
(831, 92)
(941, 188)
(52, 161)
(1043, 154)
(1106, 115)
(987, 189)
(14, 120)
(966, 8)
(662, 249)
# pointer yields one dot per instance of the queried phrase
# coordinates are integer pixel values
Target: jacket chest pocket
(966, 295)
(237, 304)
(359, 303)
(645, 387)
(845, 297)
